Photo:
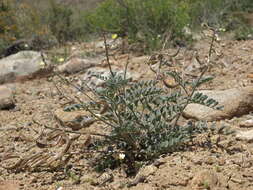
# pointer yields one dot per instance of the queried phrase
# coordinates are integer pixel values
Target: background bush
(41, 23)
(148, 23)
(153, 22)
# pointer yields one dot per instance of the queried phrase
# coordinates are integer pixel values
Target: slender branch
(107, 54)
(126, 66)
(212, 43)
(125, 73)
(189, 97)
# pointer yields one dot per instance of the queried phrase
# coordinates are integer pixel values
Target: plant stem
(107, 54)
(189, 97)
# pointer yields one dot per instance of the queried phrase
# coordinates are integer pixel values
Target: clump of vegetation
(143, 115)
(242, 25)
(244, 33)
(41, 26)
(155, 24)
(148, 22)
(8, 27)
(22, 22)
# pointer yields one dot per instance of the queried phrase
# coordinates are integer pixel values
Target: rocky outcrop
(236, 102)
(22, 64)
(76, 65)
(6, 98)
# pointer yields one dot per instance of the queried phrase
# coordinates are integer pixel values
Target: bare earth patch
(223, 163)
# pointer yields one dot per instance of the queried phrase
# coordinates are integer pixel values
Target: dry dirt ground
(226, 162)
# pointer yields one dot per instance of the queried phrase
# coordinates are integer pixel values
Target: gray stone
(247, 123)
(245, 135)
(236, 102)
(146, 171)
(205, 180)
(75, 120)
(6, 98)
(90, 79)
(144, 186)
(23, 63)
(9, 185)
(143, 174)
(75, 65)
(112, 43)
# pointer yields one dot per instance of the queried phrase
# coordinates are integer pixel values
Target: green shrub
(240, 23)
(153, 23)
(60, 18)
(148, 22)
(244, 33)
(42, 23)
(216, 13)
(8, 26)
(22, 21)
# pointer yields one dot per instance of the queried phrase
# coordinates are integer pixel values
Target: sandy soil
(228, 161)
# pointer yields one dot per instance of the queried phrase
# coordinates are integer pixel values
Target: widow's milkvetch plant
(143, 115)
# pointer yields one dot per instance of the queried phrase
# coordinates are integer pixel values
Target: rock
(6, 98)
(22, 64)
(144, 186)
(193, 67)
(247, 123)
(104, 178)
(143, 174)
(9, 185)
(15, 47)
(75, 119)
(141, 60)
(250, 76)
(205, 180)
(88, 179)
(236, 102)
(147, 171)
(99, 44)
(75, 65)
(112, 43)
(90, 79)
(210, 160)
(169, 177)
(245, 135)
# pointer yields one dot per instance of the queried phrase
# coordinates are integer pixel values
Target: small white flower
(26, 45)
(122, 156)
(42, 64)
(222, 29)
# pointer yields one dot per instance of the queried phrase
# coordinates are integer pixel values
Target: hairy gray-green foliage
(143, 117)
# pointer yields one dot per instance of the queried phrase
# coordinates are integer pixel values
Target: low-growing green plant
(244, 33)
(143, 116)
(206, 185)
